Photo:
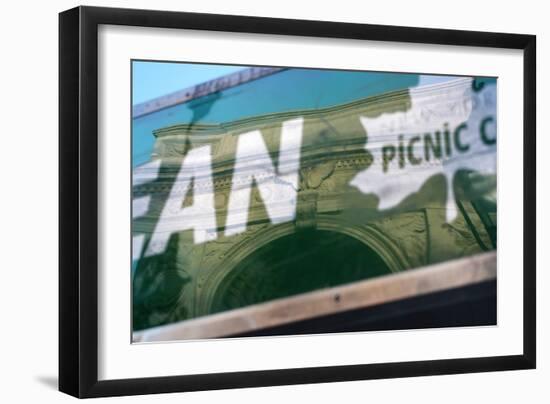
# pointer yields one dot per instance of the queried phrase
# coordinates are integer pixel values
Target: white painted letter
(201, 216)
(142, 175)
(277, 189)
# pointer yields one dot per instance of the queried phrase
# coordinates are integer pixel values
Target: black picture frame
(78, 200)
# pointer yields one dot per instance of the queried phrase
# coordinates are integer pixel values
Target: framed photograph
(251, 201)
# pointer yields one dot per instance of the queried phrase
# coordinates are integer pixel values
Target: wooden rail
(362, 294)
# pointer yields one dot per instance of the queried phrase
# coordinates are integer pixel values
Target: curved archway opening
(297, 263)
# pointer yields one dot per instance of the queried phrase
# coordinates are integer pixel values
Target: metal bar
(202, 89)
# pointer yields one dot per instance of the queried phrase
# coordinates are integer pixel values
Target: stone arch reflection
(297, 263)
